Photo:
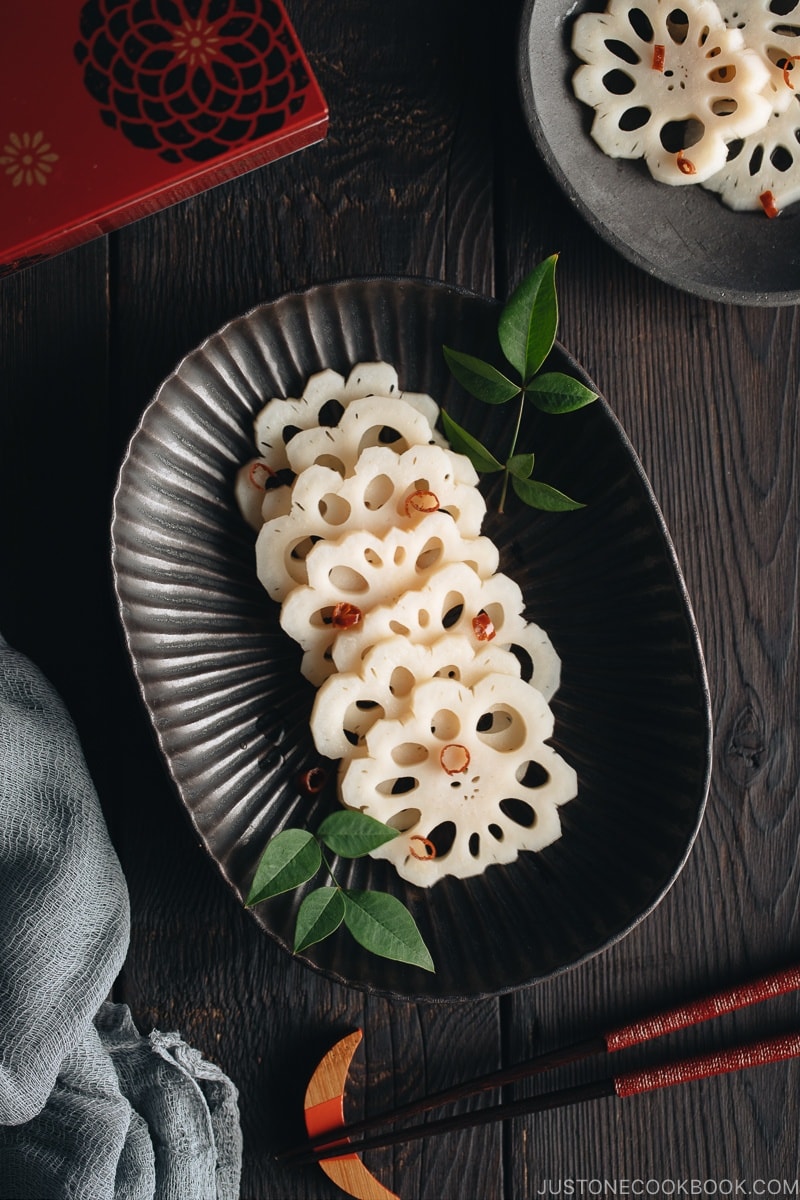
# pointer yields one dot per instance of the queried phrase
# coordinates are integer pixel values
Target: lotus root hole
(618, 83)
(442, 838)
(640, 24)
(502, 728)
(334, 509)
(681, 135)
(518, 811)
(430, 555)
(400, 785)
(532, 774)
(452, 609)
(332, 463)
(406, 819)
(409, 754)
(377, 492)
(623, 51)
(401, 682)
(445, 725)
(347, 579)
(634, 118)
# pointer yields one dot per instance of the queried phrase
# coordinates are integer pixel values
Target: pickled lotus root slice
(323, 401)
(466, 772)
(367, 422)
(280, 419)
(365, 570)
(773, 30)
(380, 379)
(348, 704)
(449, 602)
(384, 491)
(763, 171)
(669, 83)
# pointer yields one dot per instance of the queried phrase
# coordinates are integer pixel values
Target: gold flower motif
(27, 158)
(196, 42)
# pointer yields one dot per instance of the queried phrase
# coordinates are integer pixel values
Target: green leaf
(351, 834)
(521, 465)
(464, 443)
(480, 378)
(529, 320)
(320, 915)
(555, 392)
(380, 923)
(291, 858)
(541, 495)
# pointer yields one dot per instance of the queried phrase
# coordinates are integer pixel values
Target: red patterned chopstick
(682, 1016)
(629, 1083)
(777, 983)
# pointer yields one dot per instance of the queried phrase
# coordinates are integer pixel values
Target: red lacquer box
(113, 109)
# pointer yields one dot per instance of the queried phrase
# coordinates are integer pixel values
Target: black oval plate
(230, 710)
(685, 236)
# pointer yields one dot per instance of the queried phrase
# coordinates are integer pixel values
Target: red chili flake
(483, 627)
(259, 473)
(313, 780)
(345, 615)
(767, 201)
(429, 851)
(421, 502)
(658, 58)
(454, 759)
(685, 165)
(787, 67)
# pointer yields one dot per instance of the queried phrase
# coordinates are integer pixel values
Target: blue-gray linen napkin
(90, 1109)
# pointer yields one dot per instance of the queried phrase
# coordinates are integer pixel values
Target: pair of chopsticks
(369, 1133)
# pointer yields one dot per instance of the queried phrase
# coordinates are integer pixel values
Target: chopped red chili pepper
(685, 165)
(767, 201)
(429, 851)
(345, 615)
(313, 780)
(259, 473)
(658, 58)
(483, 627)
(454, 759)
(421, 502)
(787, 67)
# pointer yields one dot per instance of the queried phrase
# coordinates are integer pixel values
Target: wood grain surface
(428, 170)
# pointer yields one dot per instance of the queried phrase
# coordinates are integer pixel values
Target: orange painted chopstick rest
(682, 1016)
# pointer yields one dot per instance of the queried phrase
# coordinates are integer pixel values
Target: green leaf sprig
(526, 332)
(378, 922)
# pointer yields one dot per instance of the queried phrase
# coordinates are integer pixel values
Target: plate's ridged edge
(181, 557)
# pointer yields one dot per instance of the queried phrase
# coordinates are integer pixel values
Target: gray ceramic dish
(683, 235)
(230, 709)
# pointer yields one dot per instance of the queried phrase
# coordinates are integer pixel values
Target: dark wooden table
(428, 170)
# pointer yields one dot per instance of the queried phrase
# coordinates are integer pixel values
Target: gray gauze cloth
(90, 1109)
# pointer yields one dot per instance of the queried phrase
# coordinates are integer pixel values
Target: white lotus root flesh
(363, 570)
(670, 83)
(772, 29)
(349, 703)
(384, 491)
(324, 398)
(430, 679)
(454, 601)
(371, 421)
(763, 171)
(466, 777)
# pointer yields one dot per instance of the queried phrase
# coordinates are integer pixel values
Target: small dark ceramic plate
(685, 236)
(230, 709)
